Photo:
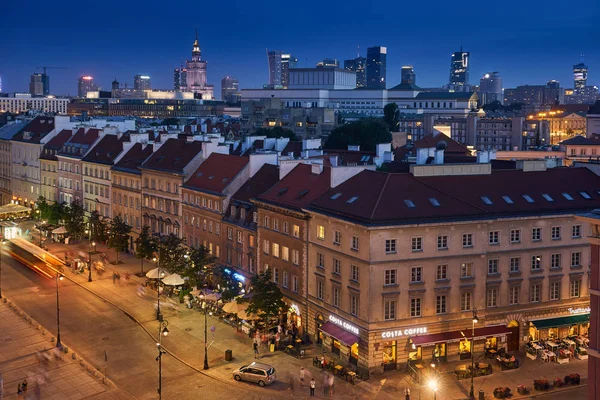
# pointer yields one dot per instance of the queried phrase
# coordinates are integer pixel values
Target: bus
(30, 255)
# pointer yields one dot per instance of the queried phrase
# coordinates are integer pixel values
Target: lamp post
(1, 243)
(475, 320)
(433, 385)
(160, 276)
(205, 334)
(59, 277)
(89, 232)
(162, 331)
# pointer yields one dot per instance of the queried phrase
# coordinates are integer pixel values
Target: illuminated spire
(196, 48)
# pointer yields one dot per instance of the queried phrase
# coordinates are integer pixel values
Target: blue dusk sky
(528, 42)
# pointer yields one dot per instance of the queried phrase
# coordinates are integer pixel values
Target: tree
(276, 132)
(118, 236)
(172, 254)
(74, 223)
(199, 268)
(44, 208)
(391, 116)
(98, 228)
(366, 133)
(267, 300)
(145, 246)
(58, 213)
(225, 280)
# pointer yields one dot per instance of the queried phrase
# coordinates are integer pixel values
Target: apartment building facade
(49, 165)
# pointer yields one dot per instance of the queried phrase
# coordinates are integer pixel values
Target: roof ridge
(449, 195)
(380, 195)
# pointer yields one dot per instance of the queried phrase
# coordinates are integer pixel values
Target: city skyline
(523, 61)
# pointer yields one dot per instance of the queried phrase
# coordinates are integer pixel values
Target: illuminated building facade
(376, 67)
(459, 68)
(85, 84)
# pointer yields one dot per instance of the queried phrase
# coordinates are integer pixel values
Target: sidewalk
(66, 379)
(186, 340)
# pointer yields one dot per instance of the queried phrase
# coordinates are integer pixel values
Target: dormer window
(547, 197)
(486, 200)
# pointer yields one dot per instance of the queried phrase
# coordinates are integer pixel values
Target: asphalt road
(92, 327)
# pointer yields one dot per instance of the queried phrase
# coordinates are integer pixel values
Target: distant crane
(46, 67)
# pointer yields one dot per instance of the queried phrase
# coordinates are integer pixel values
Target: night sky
(526, 41)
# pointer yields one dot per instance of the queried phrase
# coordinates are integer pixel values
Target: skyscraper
(192, 78)
(36, 84)
(328, 62)
(459, 68)
(490, 88)
(376, 67)
(279, 68)
(580, 72)
(85, 84)
(358, 65)
(230, 90)
(142, 82)
(180, 78)
(407, 75)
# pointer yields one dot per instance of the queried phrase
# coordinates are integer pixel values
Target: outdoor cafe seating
(507, 361)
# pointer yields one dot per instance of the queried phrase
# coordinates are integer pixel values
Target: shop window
(513, 295)
(465, 349)
(494, 237)
(492, 297)
(415, 307)
(491, 343)
(442, 242)
(575, 288)
(555, 290)
(441, 272)
(465, 301)
(440, 304)
(536, 234)
(389, 355)
(467, 240)
(335, 347)
(415, 354)
(354, 354)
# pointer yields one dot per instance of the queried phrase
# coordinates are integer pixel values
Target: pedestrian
(325, 384)
(407, 394)
(19, 391)
(302, 372)
(331, 382)
(114, 278)
(255, 345)
(313, 385)
(24, 386)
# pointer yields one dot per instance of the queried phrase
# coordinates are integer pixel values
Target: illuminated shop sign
(580, 310)
(344, 324)
(403, 332)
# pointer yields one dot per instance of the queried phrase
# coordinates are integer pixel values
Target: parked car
(263, 374)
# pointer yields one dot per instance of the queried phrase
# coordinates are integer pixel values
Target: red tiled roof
(293, 149)
(299, 187)
(377, 197)
(582, 141)
(34, 131)
(55, 144)
(216, 172)
(453, 148)
(133, 158)
(346, 157)
(85, 137)
(173, 156)
(106, 150)
(262, 181)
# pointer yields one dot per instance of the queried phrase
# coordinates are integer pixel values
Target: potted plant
(501, 392)
(558, 382)
(541, 384)
(522, 389)
(573, 379)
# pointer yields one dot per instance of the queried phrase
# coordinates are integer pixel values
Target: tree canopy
(276, 132)
(391, 116)
(118, 236)
(365, 132)
(74, 223)
(145, 246)
(172, 254)
(199, 266)
(266, 300)
(98, 228)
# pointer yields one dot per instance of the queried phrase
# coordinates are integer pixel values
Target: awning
(339, 333)
(561, 321)
(456, 336)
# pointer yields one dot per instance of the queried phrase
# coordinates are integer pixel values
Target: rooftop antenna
(357, 51)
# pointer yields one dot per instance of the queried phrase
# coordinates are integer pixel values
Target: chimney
(439, 157)
(483, 157)
(353, 147)
(424, 154)
(316, 169)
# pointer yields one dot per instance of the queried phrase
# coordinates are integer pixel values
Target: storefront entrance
(389, 355)
(513, 338)
(319, 323)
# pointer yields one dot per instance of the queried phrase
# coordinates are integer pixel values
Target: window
(547, 197)
(320, 232)
(285, 227)
(534, 295)
(513, 295)
(336, 296)
(354, 300)
(536, 234)
(390, 276)
(284, 282)
(354, 273)
(415, 307)
(390, 246)
(276, 250)
(417, 244)
(515, 236)
(567, 196)
(254, 217)
(494, 237)
(240, 237)
(354, 245)
(295, 257)
(416, 274)
(275, 224)
(295, 284)
(492, 297)
(555, 290)
(266, 247)
(465, 301)
(493, 266)
(285, 253)
(296, 231)
(266, 223)
(576, 232)
(575, 288)
(337, 266)
(320, 289)
(466, 270)
(515, 264)
(337, 237)
(230, 233)
(441, 272)
(508, 200)
(467, 240)
(440, 304)
(442, 242)
(486, 200)
(536, 263)
(556, 261)
(556, 233)
(217, 229)
(576, 259)
(320, 260)
(389, 310)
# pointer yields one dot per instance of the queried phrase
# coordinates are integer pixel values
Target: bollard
(73, 356)
(481, 395)
(228, 355)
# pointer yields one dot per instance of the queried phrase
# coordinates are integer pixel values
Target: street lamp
(205, 334)
(89, 231)
(162, 331)
(1, 243)
(59, 277)
(475, 320)
(160, 276)
(433, 385)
